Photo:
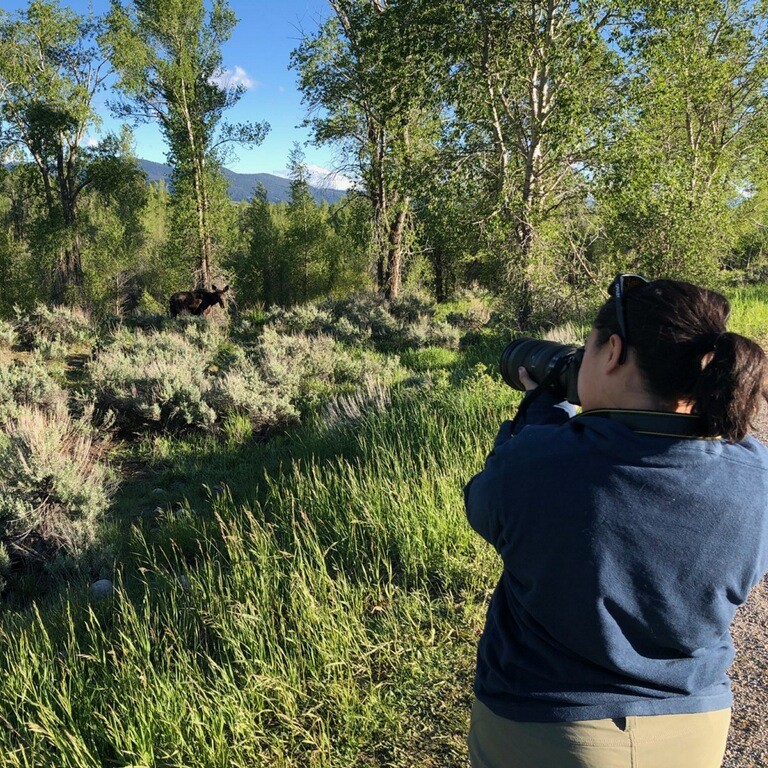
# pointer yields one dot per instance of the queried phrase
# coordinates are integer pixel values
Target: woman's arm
(483, 494)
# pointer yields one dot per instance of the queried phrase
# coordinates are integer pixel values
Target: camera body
(553, 365)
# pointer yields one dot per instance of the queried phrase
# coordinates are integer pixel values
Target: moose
(197, 302)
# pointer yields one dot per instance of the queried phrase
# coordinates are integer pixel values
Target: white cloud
(90, 141)
(325, 179)
(229, 78)
(322, 178)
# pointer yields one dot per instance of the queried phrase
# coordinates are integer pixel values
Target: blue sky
(258, 53)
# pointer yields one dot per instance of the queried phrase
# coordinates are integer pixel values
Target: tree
(308, 234)
(690, 146)
(258, 269)
(167, 54)
(50, 70)
(531, 89)
(114, 206)
(361, 83)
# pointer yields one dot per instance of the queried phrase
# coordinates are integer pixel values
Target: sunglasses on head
(618, 288)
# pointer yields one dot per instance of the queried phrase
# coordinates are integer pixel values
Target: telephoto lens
(540, 359)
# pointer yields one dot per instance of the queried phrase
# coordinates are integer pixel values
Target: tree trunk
(521, 281)
(67, 275)
(201, 204)
(68, 269)
(197, 161)
(392, 279)
(438, 265)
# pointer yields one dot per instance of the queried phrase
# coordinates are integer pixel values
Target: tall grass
(322, 608)
(330, 620)
(749, 311)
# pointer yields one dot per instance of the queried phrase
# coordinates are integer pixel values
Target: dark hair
(677, 333)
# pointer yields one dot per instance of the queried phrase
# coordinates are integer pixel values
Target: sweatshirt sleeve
(483, 494)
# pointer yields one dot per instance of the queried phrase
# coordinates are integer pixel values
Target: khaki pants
(658, 741)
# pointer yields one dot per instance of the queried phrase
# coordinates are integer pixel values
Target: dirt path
(748, 737)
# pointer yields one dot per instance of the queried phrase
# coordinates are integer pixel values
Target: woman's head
(675, 334)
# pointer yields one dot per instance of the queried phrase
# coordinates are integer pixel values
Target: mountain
(241, 185)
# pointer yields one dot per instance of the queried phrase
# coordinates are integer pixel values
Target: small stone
(102, 588)
(158, 492)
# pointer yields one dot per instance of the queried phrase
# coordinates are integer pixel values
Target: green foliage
(54, 491)
(50, 73)
(312, 368)
(749, 311)
(299, 251)
(168, 61)
(7, 334)
(307, 237)
(672, 195)
(429, 358)
(385, 124)
(54, 332)
(191, 375)
(348, 579)
(172, 379)
(367, 317)
(27, 384)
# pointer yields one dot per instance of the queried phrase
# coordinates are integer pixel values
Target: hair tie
(717, 338)
(709, 341)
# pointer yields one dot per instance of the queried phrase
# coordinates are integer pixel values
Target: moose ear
(225, 289)
(214, 288)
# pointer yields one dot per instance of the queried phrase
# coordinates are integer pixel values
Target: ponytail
(730, 388)
(678, 337)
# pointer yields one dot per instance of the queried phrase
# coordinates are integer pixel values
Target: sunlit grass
(326, 617)
(749, 311)
(312, 600)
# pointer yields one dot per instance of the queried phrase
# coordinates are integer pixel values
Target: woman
(629, 534)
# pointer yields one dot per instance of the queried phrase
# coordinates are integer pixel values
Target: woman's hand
(525, 379)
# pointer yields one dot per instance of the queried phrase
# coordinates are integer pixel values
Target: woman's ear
(615, 345)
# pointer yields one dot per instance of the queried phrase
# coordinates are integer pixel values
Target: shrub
(301, 367)
(286, 360)
(403, 323)
(244, 391)
(358, 308)
(309, 369)
(187, 379)
(474, 316)
(149, 321)
(54, 491)
(152, 378)
(411, 307)
(372, 397)
(406, 322)
(7, 334)
(53, 330)
(306, 318)
(425, 333)
(27, 384)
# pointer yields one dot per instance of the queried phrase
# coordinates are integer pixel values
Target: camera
(552, 365)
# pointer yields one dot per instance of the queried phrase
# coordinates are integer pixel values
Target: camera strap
(659, 423)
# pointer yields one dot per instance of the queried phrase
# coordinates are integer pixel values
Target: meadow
(295, 585)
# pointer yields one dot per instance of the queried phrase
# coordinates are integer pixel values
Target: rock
(158, 492)
(102, 588)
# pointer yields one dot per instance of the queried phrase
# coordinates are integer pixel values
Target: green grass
(749, 311)
(311, 600)
(429, 358)
(328, 613)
